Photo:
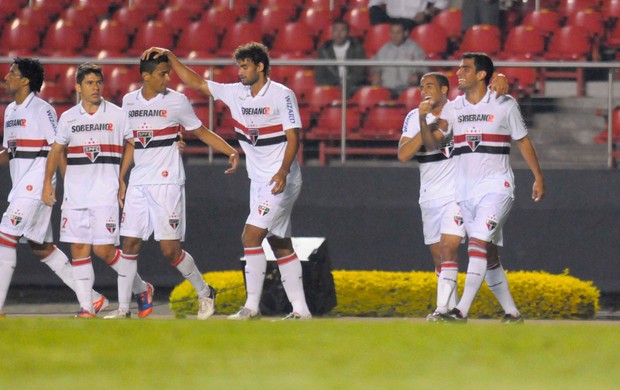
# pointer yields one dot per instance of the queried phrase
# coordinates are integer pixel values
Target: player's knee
(131, 245)
(105, 253)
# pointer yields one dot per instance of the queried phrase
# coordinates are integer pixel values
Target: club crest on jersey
(491, 222)
(473, 138)
(458, 219)
(174, 221)
(447, 147)
(16, 217)
(264, 208)
(253, 135)
(144, 136)
(92, 152)
(12, 146)
(110, 225)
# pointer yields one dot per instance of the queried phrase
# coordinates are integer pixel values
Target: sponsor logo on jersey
(141, 113)
(289, 108)
(174, 221)
(476, 118)
(254, 133)
(12, 146)
(92, 152)
(144, 136)
(447, 147)
(473, 138)
(491, 222)
(16, 217)
(255, 110)
(110, 225)
(15, 123)
(92, 127)
(263, 208)
(52, 118)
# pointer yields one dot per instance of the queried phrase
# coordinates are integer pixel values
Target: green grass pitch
(347, 353)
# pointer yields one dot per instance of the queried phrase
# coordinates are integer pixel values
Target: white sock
(188, 269)
(8, 260)
(292, 280)
(138, 286)
(476, 269)
(255, 268)
(59, 263)
(446, 286)
(498, 283)
(84, 277)
(126, 267)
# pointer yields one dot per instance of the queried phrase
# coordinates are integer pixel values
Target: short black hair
(151, 63)
(343, 22)
(257, 52)
(482, 62)
(85, 69)
(32, 70)
(442, 80)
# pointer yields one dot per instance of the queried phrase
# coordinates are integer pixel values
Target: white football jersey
(260, 123)
(482, 136)
(436, 166)
(94, 150)
(154, 127)
(29, 131)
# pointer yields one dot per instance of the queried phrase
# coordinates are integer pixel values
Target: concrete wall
(371, 220)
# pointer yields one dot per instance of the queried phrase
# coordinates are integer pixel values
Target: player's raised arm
(186, 74)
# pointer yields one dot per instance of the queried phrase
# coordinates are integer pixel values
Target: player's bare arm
(4, 156)
(529, 154)
(125, 165)
(290, 154)
(431, 135)
(408, 147)
(499, 84)
(48, 194)
(186, 74)
(219, 144)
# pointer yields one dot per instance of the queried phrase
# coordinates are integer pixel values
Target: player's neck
(21, 95)
(475, 95)
(91, 108)
(437, 109)
(258, 85)
(147, 93)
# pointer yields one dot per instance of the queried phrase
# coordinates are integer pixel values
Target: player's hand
(500, 85)
(48, 194)
(442, 125)
(426, 106)
(122, 188)
(538, 190)
(160, 51)
(181, 145)
(279, 182)
(233, 159)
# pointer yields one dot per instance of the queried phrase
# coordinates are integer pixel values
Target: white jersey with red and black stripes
(436, 166)
(94, 150)
(260, 124)
(154, 127)
(482, 136)
(29, 131)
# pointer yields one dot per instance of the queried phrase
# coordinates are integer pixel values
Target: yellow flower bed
(412, 294)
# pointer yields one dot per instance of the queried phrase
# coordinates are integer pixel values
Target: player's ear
(481, 74)
(444, 90)
(260, 67)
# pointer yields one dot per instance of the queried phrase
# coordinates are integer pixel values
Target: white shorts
(485, 216)
(441, 216)
(95, 226)
(158, 208)
(272, 212)
(30, 218)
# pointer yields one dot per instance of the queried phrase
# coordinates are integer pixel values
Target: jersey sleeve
(220, 91)
(515, 122)
(289, 110)
(48, 122)
(62, 135)
(411, 126)
(127, 131)
(186, 115)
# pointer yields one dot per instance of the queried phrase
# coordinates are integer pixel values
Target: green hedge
(412, 294)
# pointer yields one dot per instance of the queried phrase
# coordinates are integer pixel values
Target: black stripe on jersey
(482, 149)
(98, 160)
(23, 154)
(263, 141)
(431, 158)
(156, 144)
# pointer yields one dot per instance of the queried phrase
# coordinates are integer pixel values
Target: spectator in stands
(410, 12)
(479, 12)
(400, 47)
(341, 47)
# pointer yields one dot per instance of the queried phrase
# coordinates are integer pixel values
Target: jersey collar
(102, 107)
(262, 91)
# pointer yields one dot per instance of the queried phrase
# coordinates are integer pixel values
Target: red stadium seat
(20, 35)
(568, 8)
(384, 122)
(318, 19)
(338, 6)
(199, 37)
(450, 20)
(375, 38)
(545, 20)
(294, 38)
(64, 38)
(52, 7)
(603, 136)
(369, 96)
(289, 6)
(155, 33)
(53, 93)
(241, 8)
(410, 98)
(67, 81)
(36, 16)
(8, 9)
(226, 74)
(590, 20)
(109, 35)
(611, 11)
(97, 7)
(118, 79)
(329, 123)
(149, 8)
(322, 96)
(84, 18)
(130, 17)
(176, 18)
(240, 33)
(484, 38)
(194, 96)
(432, 38)
(192, 7)
(302, 83)
(221, 18)
(271, 19)
(359, 21)
(524, 40)
(522, 80)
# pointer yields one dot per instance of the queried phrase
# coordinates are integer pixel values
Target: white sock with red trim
(60, 264)
(476, 270)
(255, 268)
(8, 260)
(187, 268)
(292, 280)
(127, 269)
(84, 277)
(446, 286)
(138, 285)
(498, 283)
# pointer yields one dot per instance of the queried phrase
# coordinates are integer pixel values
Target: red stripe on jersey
(5, 242)
(287, 259)
(32, 143)
(485, 137)
(104, 148)
(253, 251)
(160, 132)
(261, 130)
(78, 262)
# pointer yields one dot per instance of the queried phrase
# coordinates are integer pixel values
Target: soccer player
(267, 124)
(92, 134)
(483, 129)
(442, 221)
(29, 130)
(154, 200)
